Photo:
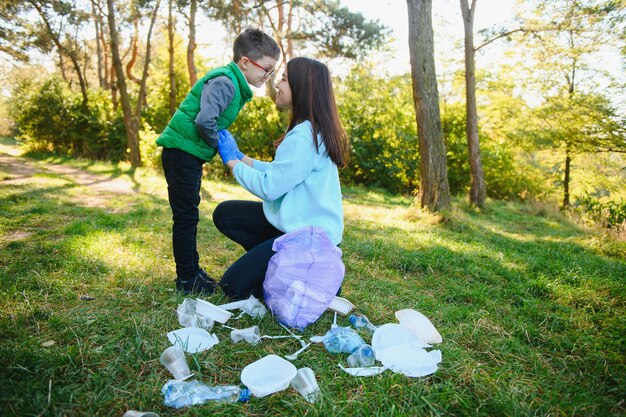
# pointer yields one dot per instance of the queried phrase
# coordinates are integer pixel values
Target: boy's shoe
(202, 283)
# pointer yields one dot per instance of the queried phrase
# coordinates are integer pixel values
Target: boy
(190, 140)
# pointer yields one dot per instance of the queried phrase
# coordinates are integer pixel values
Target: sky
(393, 13)
(447, 23)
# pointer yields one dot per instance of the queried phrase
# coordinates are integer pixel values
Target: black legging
(244, 223)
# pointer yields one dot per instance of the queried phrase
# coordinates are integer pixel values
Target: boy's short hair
(254, 44)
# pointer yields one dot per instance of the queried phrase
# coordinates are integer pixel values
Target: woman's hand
(227, 147)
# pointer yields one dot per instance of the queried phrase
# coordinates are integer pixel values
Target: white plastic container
(268, 375)
(212, 311)
(419, 324)
(341, 306)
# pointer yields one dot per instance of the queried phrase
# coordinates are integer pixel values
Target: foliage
(258, 125)
(507, 177)
(52, 118)
(379, 118)
(610, 214)
(321, 26)
(156, 113)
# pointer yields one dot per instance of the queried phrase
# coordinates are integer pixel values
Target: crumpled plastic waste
(192, 339)
(250, 335)
(187, 316)
(251, 306)
(341, 340)
(180, 394)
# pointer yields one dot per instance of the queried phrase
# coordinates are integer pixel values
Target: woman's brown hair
(313, 100)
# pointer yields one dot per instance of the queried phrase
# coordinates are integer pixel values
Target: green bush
(505, 176)
(379, 117)
(610, 214)
(52, 118)
(258, 125)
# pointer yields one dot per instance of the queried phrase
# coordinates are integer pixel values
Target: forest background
(551, 113)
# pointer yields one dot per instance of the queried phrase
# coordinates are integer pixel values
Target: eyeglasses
(268, 72)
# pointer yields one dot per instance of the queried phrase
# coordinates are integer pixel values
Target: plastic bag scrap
(251, 306)
(302, 277)
(342, 340)
(187, 316)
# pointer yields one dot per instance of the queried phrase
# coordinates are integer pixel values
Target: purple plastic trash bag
(302, 277)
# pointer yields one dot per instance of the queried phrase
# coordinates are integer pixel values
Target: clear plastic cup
(251, 335)
(362, 357)
(173, 358)
(305, 383)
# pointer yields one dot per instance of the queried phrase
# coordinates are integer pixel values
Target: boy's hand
(238, 153)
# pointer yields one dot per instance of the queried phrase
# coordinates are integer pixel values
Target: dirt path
(18, 170)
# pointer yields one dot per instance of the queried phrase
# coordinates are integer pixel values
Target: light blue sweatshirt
(300, 187)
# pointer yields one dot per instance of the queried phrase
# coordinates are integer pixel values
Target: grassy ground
(530, 305)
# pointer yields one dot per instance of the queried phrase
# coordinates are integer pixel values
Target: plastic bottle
(359, 321)
(180, 394)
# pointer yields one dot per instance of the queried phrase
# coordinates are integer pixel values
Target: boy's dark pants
(183, 173)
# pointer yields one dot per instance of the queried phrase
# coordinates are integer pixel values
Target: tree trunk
(142, 96)
(478, 190)
(191, 45)
(566, 179)
(96, 21)
(130, 122)
(172, 74)
(62, 50)
(434, 188)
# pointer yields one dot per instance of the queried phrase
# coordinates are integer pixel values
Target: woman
(300, 187)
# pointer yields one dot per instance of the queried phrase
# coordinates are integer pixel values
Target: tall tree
(190, 17)
(434, 189)
(565, 62)
(132, 117)
(478, 189)
(170, 50)
(323, 27)
(55, 15)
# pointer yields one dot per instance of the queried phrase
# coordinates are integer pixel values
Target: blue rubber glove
(226, 146)
(238, 153)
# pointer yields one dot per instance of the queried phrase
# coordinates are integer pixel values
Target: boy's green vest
(181, 132)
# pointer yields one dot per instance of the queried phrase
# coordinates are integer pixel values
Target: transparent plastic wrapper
(187, 316)
(342, 340)
(180, 394)
(302, 277)
(251, 307)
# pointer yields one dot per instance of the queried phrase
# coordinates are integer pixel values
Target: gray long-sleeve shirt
(217, 93)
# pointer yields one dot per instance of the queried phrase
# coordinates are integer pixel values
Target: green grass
(530, 305)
